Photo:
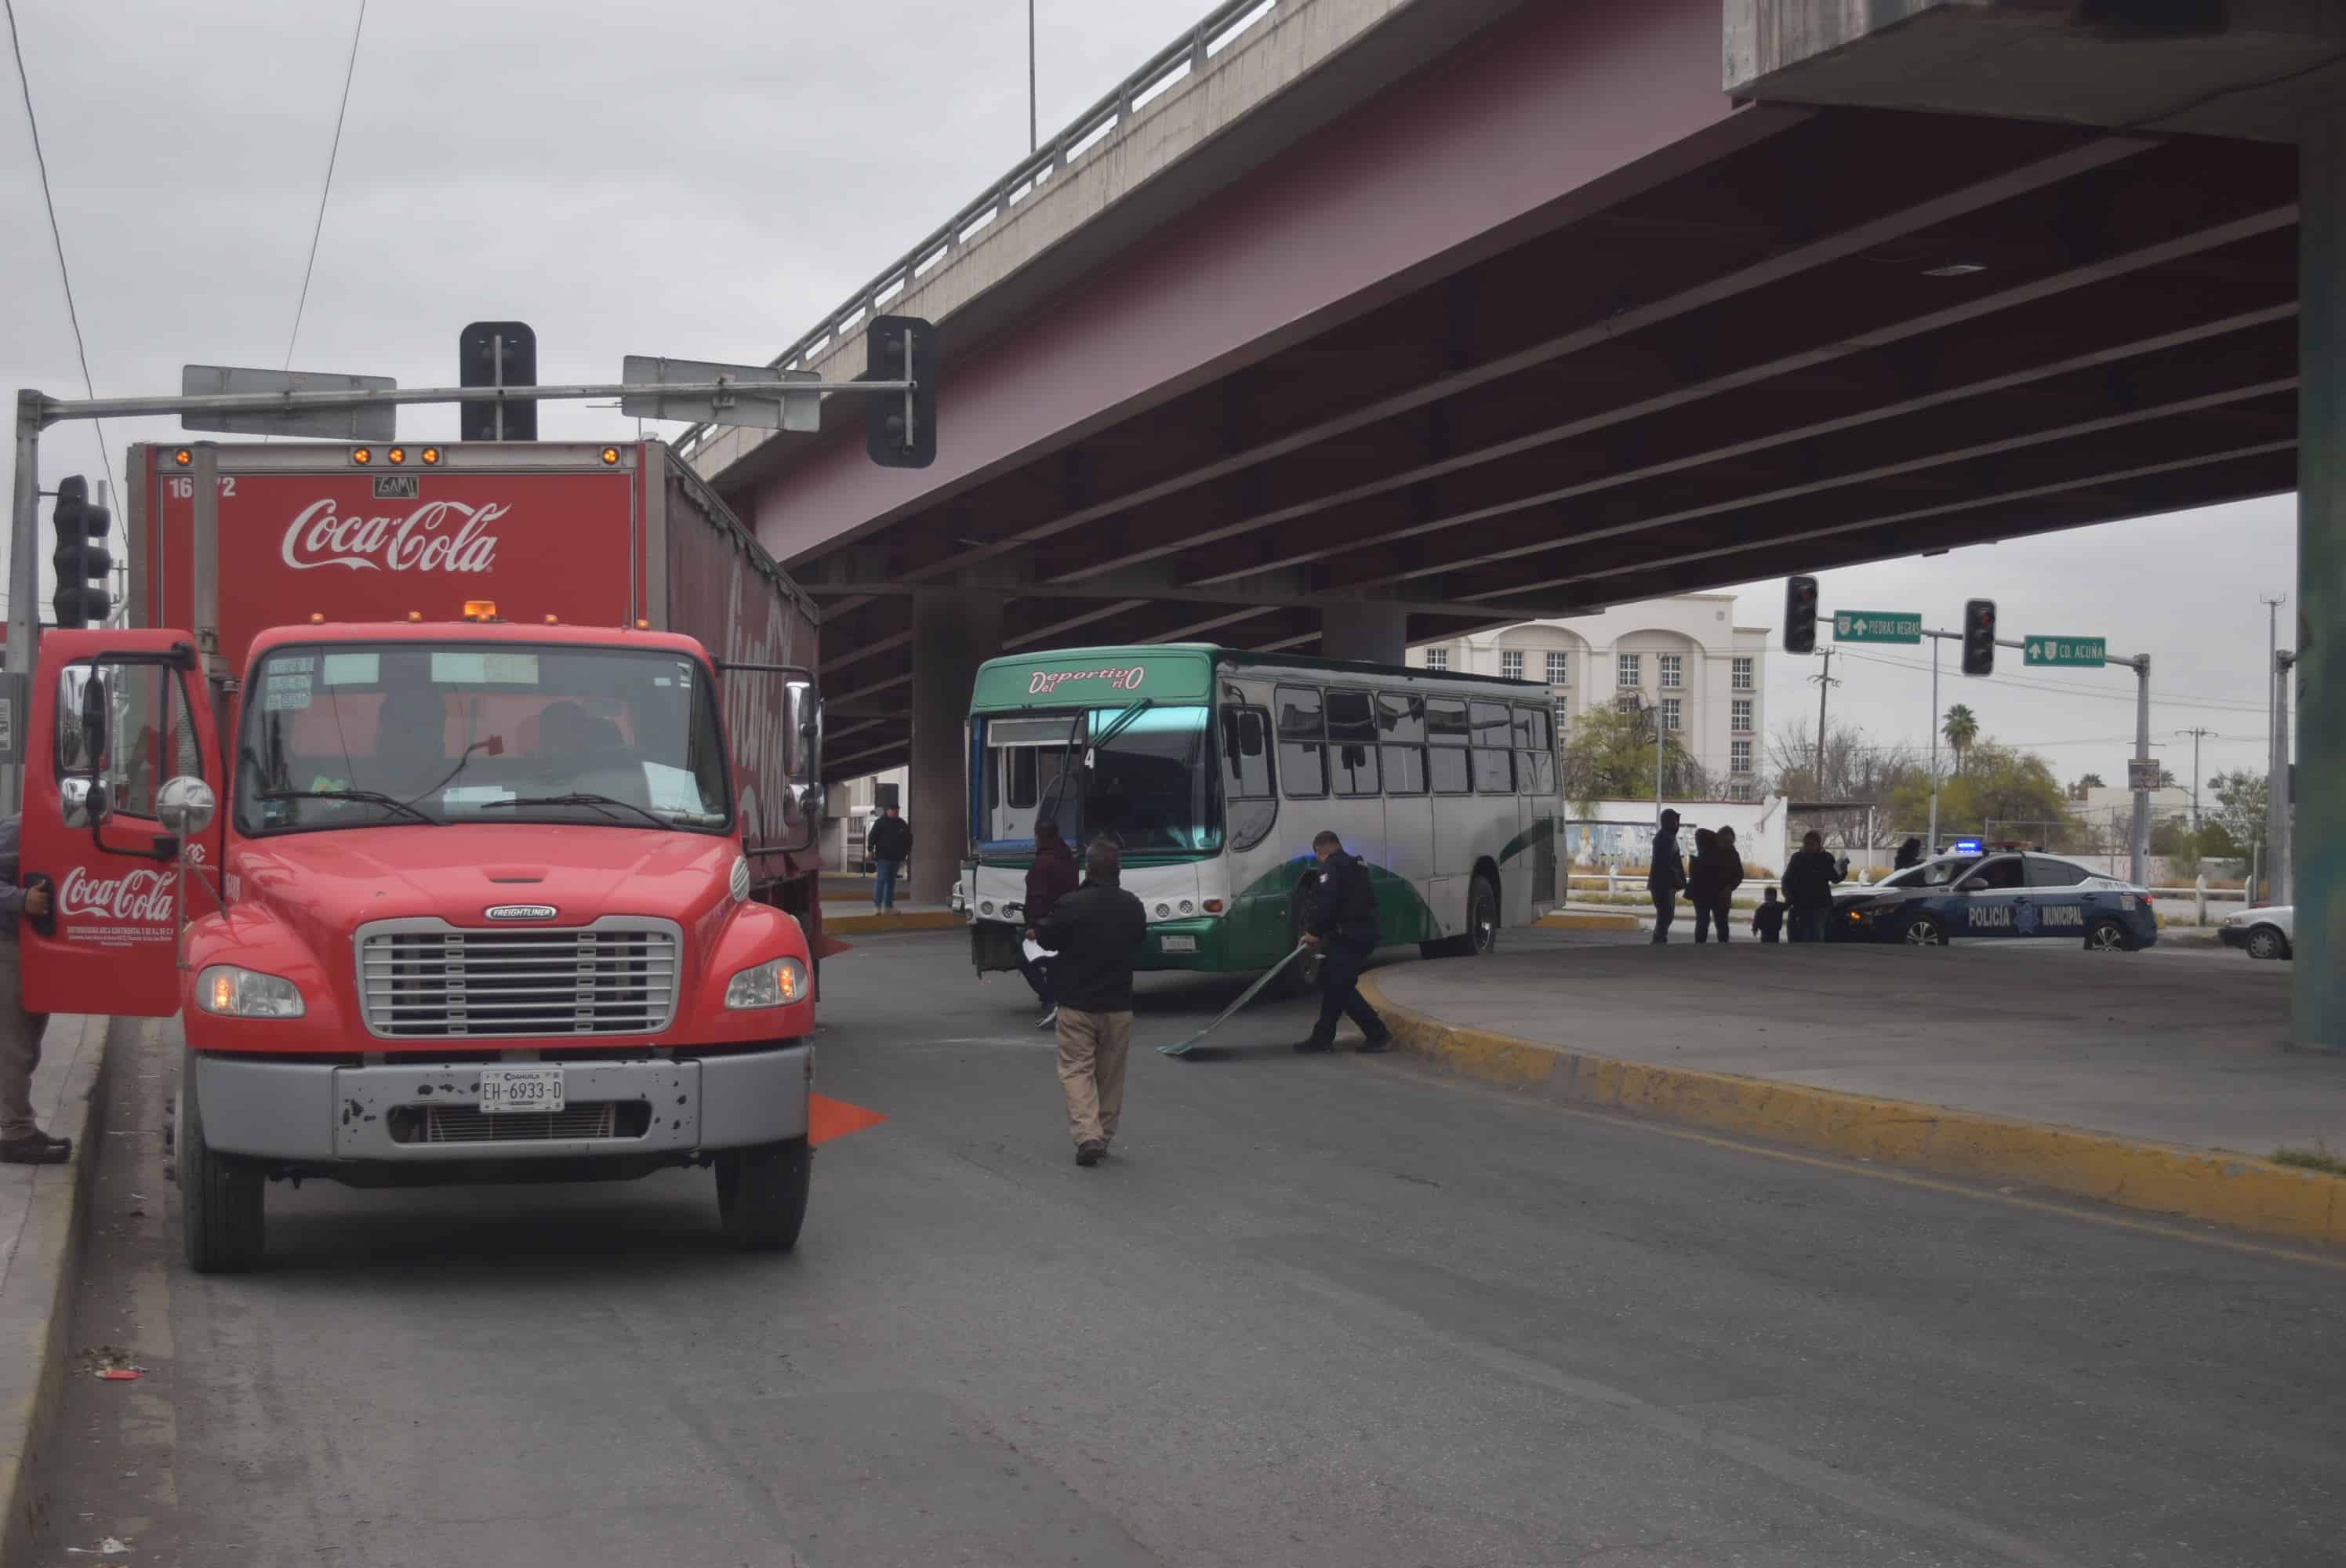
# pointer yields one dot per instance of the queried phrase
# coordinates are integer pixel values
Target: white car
(2268, 932)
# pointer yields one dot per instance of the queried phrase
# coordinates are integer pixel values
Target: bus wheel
(1481, 937)
(762, 1194)
(223, 1209)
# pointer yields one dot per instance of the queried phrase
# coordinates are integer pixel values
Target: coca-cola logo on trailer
(138, 898)
(437, 536)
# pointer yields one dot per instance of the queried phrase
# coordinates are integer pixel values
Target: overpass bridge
(1350, 323)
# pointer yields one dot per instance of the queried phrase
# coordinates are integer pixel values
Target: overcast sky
(706, 181)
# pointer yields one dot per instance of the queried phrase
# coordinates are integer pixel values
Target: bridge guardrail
(1099, 126)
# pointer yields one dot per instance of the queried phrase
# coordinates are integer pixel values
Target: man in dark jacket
(1342, 923)
(1807, 888)
(1718, 872)
(1051, 878)
(1910, 853)
(1665, 875)
(1097, 932)
(22, 1142)
(889, 846)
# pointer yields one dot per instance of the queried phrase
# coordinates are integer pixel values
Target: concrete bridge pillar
(1373, 633)
(2318, 859)
(952, 633)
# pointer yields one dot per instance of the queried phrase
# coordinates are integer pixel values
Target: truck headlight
(777, 982)
(234, 993)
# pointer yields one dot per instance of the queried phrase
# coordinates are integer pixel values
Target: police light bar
(1967, 845)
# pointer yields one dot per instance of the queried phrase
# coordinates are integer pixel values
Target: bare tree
(1859, 772)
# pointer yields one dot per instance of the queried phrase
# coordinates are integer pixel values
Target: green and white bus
(1212, 769)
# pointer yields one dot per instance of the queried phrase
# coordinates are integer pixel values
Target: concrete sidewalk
(2102, 1075)
(856, 917)
(41, 1233)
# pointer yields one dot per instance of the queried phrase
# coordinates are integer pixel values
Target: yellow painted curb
(888, 924)
(2163, 1178)
(1582, 920)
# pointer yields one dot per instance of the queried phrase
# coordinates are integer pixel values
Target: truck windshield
(1151, 786)
(358, 735)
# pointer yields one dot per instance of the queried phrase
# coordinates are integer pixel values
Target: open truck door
(120, 766)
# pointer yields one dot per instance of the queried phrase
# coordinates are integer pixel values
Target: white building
(1685, 656)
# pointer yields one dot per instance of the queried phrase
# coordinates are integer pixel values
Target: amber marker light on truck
(430, 457)
(363, 455)
(183, 457)
(396, 454)
(480, 609)
(610, 456)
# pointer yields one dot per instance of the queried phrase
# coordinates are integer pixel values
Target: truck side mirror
(185, 806)
(85, 802)
(812, 802)
(94, 700)
(804, 715)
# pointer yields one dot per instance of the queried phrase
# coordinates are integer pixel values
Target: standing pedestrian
(1768, 920)
(22, 1142)
(1808, 887)
(1097, 932)
(1910, 853)
(891, 845)
(1665, 875)
(1718, 872)
(1343, 926)
(1051, 878)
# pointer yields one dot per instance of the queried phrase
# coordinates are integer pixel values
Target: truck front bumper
(422, 1111)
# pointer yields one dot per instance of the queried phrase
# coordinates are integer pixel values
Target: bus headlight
(777, 982)
(232, 992)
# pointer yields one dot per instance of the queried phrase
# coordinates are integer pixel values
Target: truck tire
(223, 1213)
(762, 1194)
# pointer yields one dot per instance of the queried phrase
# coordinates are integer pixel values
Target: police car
(1975, 894)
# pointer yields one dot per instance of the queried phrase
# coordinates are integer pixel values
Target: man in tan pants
(1097, 932)
(22, 1142)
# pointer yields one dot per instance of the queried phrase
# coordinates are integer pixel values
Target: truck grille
(425, 979)
(465, 1124)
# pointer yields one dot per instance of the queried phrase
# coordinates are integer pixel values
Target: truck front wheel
(222, 1210)
(762, 1194)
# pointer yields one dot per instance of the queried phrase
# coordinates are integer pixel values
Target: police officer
(1343, 926)
(22, 1142)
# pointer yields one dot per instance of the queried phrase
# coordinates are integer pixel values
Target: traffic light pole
(24, 597)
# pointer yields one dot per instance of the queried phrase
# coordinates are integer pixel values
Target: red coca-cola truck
(462, 800)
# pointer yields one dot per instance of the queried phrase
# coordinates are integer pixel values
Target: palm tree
(1962, 729)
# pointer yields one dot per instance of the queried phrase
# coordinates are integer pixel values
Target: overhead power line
(2067, 688)
(333, 154)
(56, 235)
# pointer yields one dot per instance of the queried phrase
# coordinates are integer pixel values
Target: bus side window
(1445, 755)
(1251, 804)
(1536, 753)
(1402, 719)
(1494, 764)
(1302, 743)
(1352, 734)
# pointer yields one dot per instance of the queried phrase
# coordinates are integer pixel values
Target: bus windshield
(361, 735)
(1150, 785)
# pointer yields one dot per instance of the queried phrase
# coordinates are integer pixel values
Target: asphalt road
(1315, 1310)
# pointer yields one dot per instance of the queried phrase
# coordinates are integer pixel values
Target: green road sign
(2065, 651)
(1876, 627)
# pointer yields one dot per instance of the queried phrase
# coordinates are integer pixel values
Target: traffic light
(477, 365)
(83, 598)
(1979, 636)
(1800, 615)
(890, 445)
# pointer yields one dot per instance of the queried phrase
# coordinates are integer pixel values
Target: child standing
(1768, 920)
